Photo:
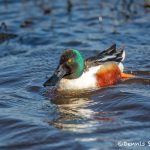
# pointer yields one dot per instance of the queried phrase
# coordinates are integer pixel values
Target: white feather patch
(87, 80)
(123, 56)
(121, 67)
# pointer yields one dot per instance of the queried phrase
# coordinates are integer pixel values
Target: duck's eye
(69, 60)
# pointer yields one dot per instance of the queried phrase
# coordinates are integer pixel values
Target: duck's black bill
(56, 77)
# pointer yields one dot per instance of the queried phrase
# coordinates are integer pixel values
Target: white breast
(86, 80)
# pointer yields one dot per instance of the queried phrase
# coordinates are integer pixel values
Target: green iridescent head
(71, 66)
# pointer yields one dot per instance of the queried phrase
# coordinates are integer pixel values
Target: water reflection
(75, 111)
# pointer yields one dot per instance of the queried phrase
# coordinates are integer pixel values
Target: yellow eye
(69, 60)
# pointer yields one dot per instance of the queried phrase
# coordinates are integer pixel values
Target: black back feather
(110, 54)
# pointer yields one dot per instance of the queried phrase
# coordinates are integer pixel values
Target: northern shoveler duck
(75, 73)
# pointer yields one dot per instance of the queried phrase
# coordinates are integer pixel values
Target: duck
(76, 73)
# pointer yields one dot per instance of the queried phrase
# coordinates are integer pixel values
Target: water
(33, 36)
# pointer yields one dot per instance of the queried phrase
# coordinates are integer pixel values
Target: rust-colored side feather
(108, 74)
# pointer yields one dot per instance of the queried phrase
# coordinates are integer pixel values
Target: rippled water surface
(33, 35)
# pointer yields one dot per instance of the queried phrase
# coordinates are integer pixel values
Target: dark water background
(32, 37)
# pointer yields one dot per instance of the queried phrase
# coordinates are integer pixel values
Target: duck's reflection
(75, 111)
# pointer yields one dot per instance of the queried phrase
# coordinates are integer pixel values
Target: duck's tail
(112, 54)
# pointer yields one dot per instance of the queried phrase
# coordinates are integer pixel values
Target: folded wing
(110, 54)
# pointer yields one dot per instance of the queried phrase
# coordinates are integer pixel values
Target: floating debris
(3, 27)
(45, 7)
(7, 36)
(69, 6)
(100, 18)
(26, 23)
(147, 4)
(4, 35)
(47, 10)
